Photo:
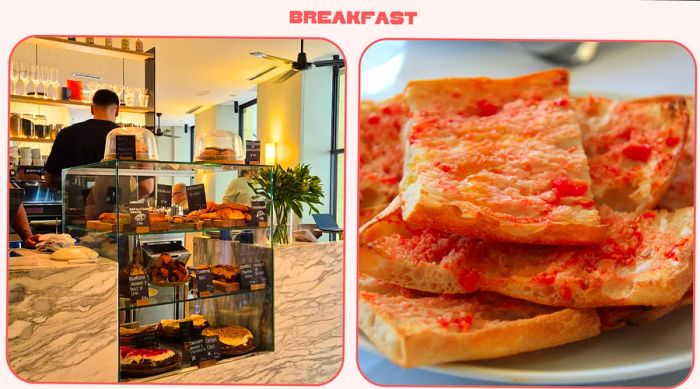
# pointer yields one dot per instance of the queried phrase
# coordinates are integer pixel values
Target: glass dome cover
(219, 147)
(146, 146)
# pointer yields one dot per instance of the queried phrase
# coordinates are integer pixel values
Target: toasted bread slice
(381, 151)
(646, 260)
(681, 192)
(498, 159)
(616, 317)
(414, 329)
(633, 148)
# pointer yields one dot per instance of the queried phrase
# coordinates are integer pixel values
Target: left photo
(176, 210)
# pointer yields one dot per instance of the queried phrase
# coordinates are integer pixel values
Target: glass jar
(15, 125)
(219, 147)
(41, 127)
(27, 125)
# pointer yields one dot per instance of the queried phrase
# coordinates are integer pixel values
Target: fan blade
(172, 136)
(287, 75)
(329, 62)
(271, 57)
(264, 72)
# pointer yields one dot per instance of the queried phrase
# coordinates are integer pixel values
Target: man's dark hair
(105, 98)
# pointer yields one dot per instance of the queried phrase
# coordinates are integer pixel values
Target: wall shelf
(62, 43)
(70, 103)
(32, 140)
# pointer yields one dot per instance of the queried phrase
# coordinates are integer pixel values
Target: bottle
(125, 43)
(139, 45)
(108, 41)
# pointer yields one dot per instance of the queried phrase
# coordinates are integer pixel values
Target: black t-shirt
(79, 144)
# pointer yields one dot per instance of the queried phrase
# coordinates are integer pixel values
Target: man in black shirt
(83, 143)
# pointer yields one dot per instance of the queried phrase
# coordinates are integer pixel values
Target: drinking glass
(24, 76)
(119, 89)
(35, 77)
(93, 87)
(129, 96)
(14, 76)
(55, 83)
(106, 86)
(45, 80)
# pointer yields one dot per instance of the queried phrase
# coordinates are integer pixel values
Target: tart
(172, 327)
(226, 273)
(134, 358)
(233, 339)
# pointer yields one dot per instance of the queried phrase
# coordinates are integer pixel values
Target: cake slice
(414, 329)
(499, 160)
(681, 192)
(381, 150)
(645, 260)
(633, 148)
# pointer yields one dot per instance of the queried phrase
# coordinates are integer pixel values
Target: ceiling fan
(167, 132)
(300, 65)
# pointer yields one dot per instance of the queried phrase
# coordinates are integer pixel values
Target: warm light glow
(270, 153)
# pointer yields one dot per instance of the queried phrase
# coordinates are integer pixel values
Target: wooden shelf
(69, 103)
(33, 140)
(61, 43)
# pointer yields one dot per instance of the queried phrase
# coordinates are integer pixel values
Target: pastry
(172, 327)
(111, 218)
(165, 270)
(134, 358)
(215, 153)
(232, 338)
(226, 273)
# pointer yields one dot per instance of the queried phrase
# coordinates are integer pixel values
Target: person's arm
(55, 162)
(20, 224)
(230, 193)
(146, 186)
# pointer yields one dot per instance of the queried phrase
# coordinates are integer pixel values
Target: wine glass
(55, 83)
(35, 77)
(24, 76)
(45, 80)
(93, 87)
(14, 76)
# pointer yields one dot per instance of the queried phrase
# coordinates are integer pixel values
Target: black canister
(28, 125)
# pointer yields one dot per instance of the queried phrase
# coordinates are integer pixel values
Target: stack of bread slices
(504, 216)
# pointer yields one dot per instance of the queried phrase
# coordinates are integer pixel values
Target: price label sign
(126, 147)
(196, 198)
(164, 195)
(252, 152)
(186, 328)
(146, 339)
(205, 281)
(253, 276)
(139, 216)
(203, 349)
(258, 211)
(138, 288)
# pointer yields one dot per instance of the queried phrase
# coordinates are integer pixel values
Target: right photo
(526, 213)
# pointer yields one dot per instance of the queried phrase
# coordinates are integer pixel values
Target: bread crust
(499, 160)
(681, 192)
(411, 343)
(657, 272)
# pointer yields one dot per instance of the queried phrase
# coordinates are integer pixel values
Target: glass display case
(195, 285)
(219, 147)
(145, 146)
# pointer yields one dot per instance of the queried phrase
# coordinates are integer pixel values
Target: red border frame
(359, 100)
(345, 118)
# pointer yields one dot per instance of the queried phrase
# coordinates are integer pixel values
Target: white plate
(659, 347)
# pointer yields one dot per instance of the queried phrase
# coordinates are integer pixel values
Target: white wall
(316, 94)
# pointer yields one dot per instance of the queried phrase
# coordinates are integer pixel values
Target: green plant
(287, 189)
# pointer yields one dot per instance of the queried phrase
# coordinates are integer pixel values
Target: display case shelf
(70, 104)
(62, 43)
(107, 234)
(171, 298)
